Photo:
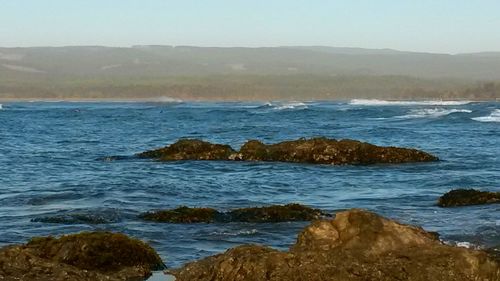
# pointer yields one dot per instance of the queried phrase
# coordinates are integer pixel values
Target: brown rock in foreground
(274, 213)
(466, 197)
(357, 245)
(87, 256)
(315, 151)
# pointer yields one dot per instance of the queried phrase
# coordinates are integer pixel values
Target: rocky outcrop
(465, 197)
(315, 151)
(275, 213)
(88, 256)
(190, 149)
(182, 214)
(357, 245)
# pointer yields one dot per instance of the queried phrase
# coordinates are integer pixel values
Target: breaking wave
(389, 102)
(493, 117)
(1, 107)
(432, 113)
(285, 105)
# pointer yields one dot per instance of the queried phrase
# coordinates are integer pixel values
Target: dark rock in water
(183, 215)
(80, 257)
(114, 158)
(494, 252)
(357, 245)
(465, 197)
(92, 216)
(330, 151)
(275, 213)
(190, 149)
(316, 151)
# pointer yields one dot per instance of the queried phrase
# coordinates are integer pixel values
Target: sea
(67, 167)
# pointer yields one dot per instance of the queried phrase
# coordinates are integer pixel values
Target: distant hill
(52, 70)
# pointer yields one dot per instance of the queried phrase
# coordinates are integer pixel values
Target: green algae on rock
(356, 246)
(83, 256)
(466, 197)
(314, 151)
(274, 213)
(182, 214)
(190, 149)
(330, 151)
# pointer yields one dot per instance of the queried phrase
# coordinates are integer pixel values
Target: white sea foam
(493, 117)
(375, 102)
(1, 107)
(236, 233)
(288, 105)
(432, 113)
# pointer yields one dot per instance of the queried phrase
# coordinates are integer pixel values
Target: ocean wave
(1, 106)
(432, 113)
(295, 105)
(493, 117)
(236, 233)
(376, 102)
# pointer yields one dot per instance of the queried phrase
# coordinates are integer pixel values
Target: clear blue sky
(448, 26)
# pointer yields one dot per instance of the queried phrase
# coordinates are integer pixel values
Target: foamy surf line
(432, 113)
(493, 117)
(285, 106)
(375, 102)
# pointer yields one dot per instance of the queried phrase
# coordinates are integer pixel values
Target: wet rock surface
(84, 256)
(356, 245)
(465, 197)
(275, 213)
(182, 214)
(190, 149)
(315, 151)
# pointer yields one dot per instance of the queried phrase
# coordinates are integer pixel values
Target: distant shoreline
(174, 100)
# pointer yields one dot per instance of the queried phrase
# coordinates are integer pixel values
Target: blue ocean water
(54, 160)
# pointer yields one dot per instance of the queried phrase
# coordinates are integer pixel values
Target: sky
(438, 26)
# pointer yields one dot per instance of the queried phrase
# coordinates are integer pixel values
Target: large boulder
(357, 245)
(330, 151)
(80, 257)
(315, 151)
(465, 197)
(190, 149)
(274, 213)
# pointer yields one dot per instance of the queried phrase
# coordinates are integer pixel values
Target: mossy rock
(99, 251)
(314, 151)
(183, 214)
(190, 149)
(465, 197)
(275, 213)
(330, 151)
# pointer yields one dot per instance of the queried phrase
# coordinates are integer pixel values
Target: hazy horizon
(248, 47)
(448, 27)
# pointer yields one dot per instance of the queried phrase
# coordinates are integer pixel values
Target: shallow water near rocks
(58, 160)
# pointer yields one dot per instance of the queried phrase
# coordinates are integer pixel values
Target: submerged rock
(82, 216)
(80, 257)
(275, 213)
(182, 214)
(356, 245)
(316, 151)
(190, 149)
(465, 197)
